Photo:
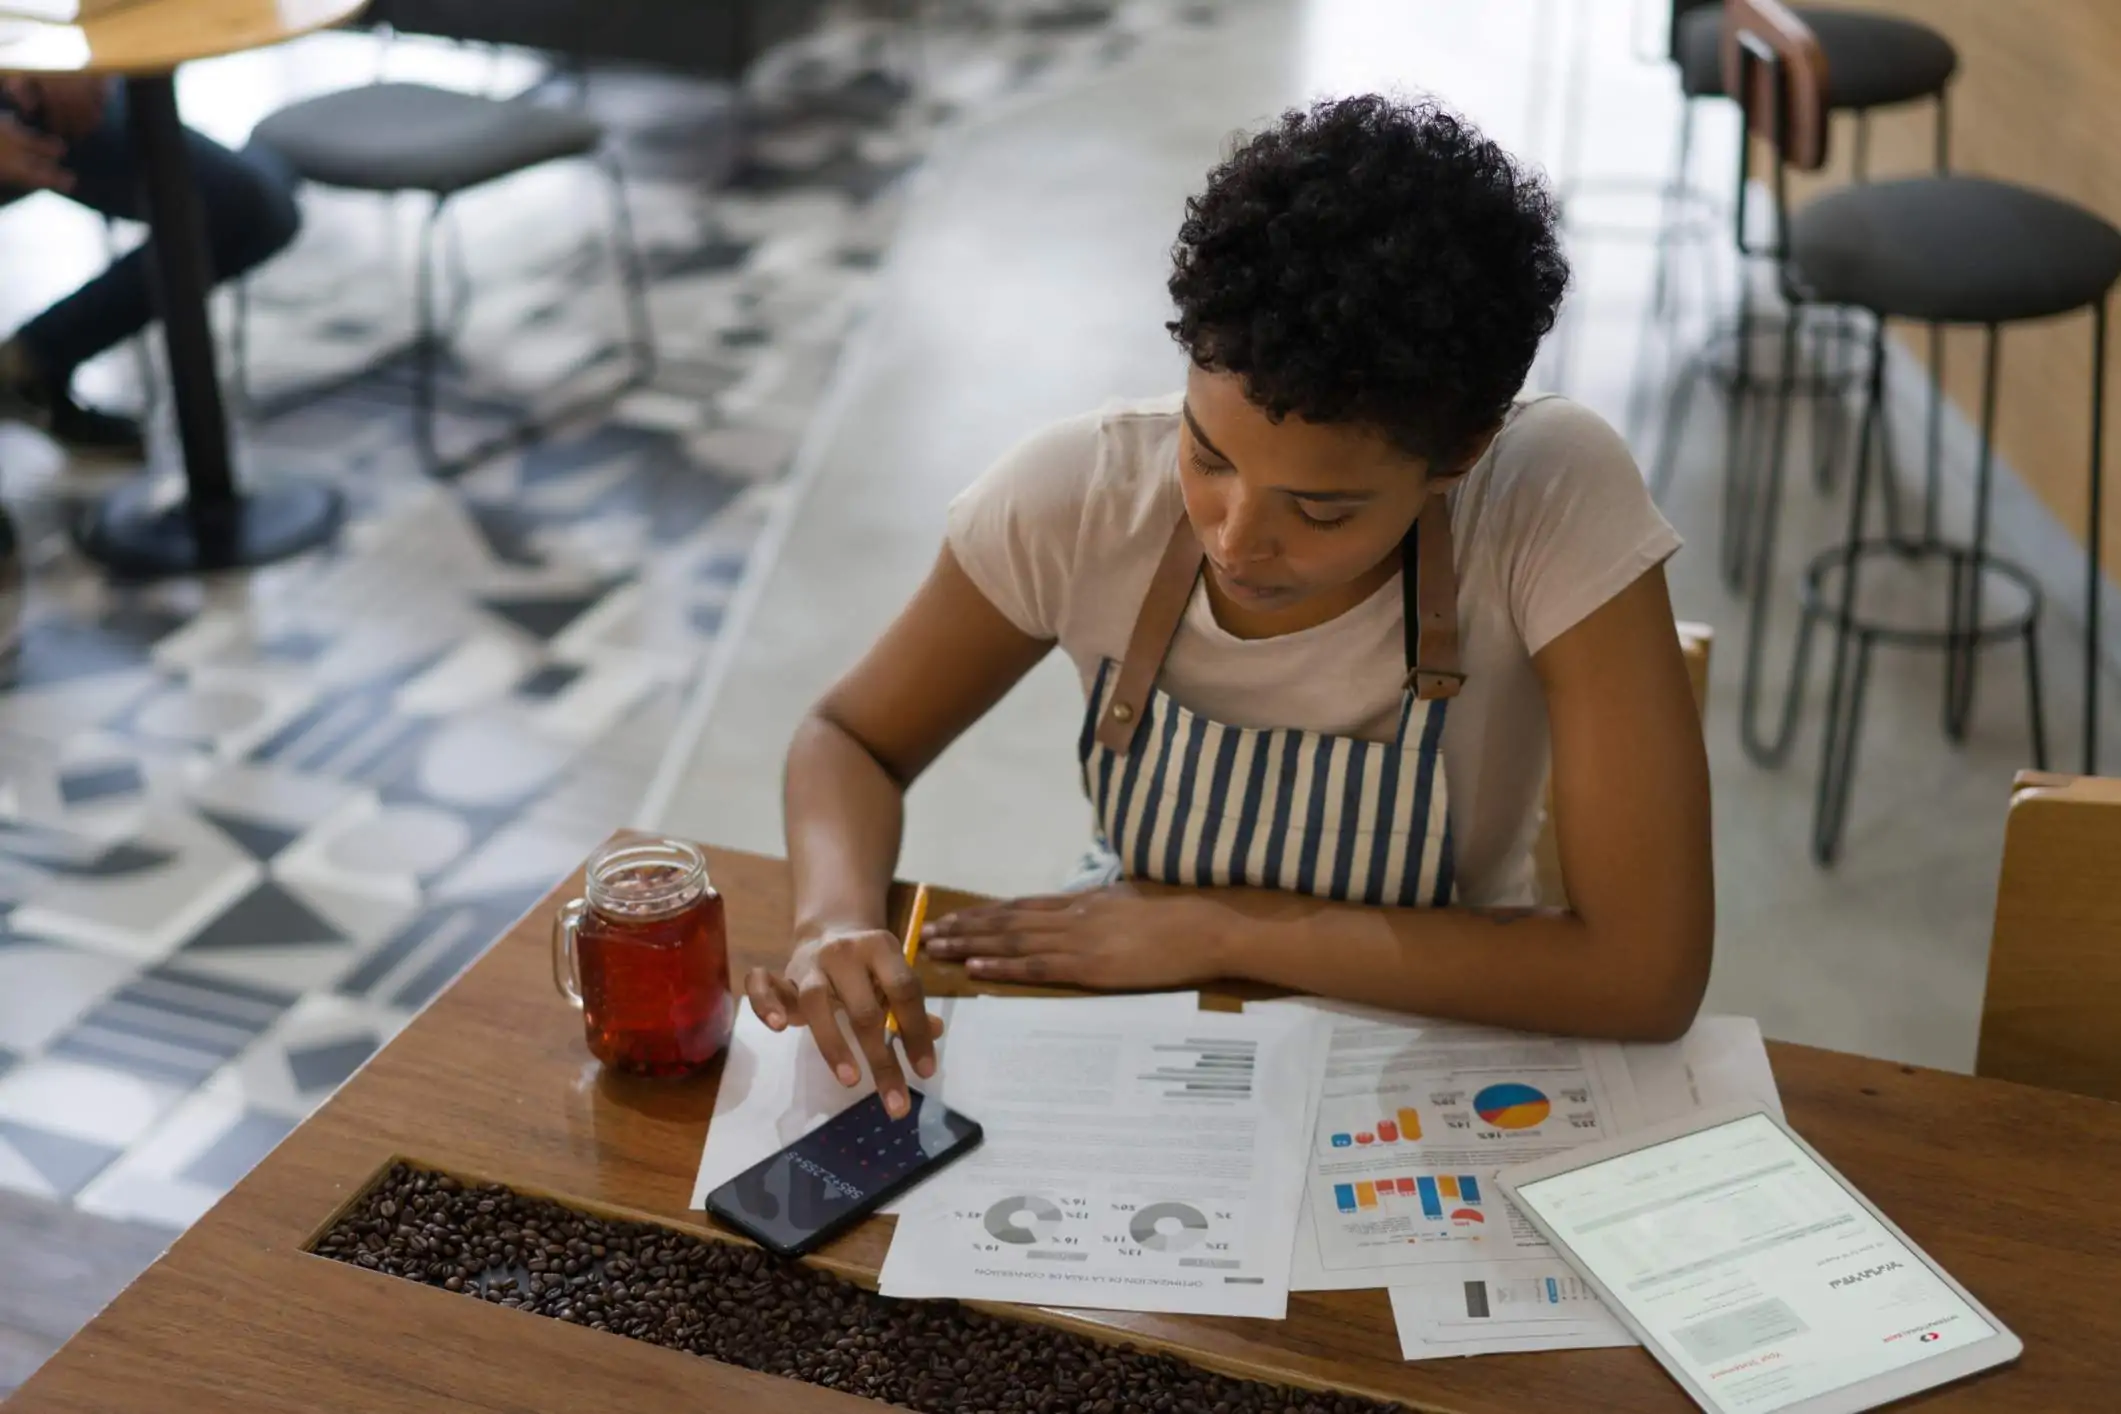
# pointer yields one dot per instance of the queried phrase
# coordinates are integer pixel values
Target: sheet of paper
(1540, 1304)
(1131, 1163)
(1414, 1117)
(1481, 1308)
(776, 1086)
(1721, 1061)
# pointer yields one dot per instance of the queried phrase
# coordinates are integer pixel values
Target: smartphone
(841, 1172)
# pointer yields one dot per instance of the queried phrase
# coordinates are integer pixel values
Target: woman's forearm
(1531, 969)
(844, 817)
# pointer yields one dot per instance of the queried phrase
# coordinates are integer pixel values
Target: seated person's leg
(250, 214)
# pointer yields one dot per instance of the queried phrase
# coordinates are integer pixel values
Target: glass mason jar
(645, 956)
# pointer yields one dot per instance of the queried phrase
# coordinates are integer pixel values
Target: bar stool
(1871, 61)
(1938, 250)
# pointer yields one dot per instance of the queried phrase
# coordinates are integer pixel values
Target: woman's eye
(1208, 467)
(1318, 523)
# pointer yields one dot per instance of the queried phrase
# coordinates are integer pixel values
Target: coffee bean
(734, 1303)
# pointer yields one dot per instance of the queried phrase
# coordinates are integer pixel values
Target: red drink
(646, 956)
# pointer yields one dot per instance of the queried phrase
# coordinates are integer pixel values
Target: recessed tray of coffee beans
(731, 1302)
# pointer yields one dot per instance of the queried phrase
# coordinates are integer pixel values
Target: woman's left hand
(1126, 936)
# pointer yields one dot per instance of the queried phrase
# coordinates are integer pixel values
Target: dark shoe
(87, 429)
(45, 404)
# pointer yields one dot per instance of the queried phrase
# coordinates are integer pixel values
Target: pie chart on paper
(1512, 1105)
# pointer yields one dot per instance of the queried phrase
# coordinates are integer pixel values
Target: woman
(1330, 608)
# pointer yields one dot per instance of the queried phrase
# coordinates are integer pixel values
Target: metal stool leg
(2036, 716)
(1658, 315)
(1737, 404)
(239, 341)
(1844, 730)
(1773, 750)
(633, 271)
(1845, 691)
(1962, 651)
(2095, 584)
(1666, 460)
(427, 341)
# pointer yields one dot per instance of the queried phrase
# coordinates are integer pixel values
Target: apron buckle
(1429, 684)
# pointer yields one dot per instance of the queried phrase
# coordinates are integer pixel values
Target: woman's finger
(909, 1007)
(858, 997)
(814, 998)
(772, 997)
(1036, 967)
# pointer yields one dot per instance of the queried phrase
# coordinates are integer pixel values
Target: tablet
(1757, 1276)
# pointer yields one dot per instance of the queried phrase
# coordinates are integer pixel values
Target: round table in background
(216, 526)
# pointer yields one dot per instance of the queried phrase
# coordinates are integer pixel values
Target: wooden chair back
(1773, 59)
(2052, 1012)
(1694, 642)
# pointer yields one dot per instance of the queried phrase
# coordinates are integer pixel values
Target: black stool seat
(1872, 61)
(1952, 250)
(392, 137)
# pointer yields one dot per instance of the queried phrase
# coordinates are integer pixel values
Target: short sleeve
(1578, 523)
(1015, 530)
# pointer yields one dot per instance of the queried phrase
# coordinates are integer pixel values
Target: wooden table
(215, 527)
(2010, 1187)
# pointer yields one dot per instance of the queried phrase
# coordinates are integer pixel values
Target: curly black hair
(1372, 262)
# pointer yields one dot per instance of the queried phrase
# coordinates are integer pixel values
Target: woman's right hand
(863, 972)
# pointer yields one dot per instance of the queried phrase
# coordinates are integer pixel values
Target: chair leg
(143, 353)
(451, 326)
(1962, 653)
(1773, 750)
(239, 343)
(1851, 675)
(1888, 464)
(633, 271)
(1844, 733)
(1933, 452)
(2036, 716)
(1737, 404)
(1664, 464)
(2094, 534)
(1657, 319)
(427, 341)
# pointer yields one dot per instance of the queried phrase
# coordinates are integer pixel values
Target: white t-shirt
(1065, 532)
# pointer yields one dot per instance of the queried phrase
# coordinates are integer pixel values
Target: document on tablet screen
(1758, 1273)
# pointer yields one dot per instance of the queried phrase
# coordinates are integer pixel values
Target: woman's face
(1294, 511)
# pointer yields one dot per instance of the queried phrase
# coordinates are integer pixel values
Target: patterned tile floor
(249, 827)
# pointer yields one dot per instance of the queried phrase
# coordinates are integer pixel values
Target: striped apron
(1181, 799)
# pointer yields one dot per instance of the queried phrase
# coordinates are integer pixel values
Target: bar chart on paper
(1451, 1198)
(1364, 1126)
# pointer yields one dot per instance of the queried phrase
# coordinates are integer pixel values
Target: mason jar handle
(566, 970)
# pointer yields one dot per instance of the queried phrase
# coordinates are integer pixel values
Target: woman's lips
(1248, 589)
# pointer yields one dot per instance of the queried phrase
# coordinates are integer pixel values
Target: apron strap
(1428, 578)
(1163, 607)
(1430, 583)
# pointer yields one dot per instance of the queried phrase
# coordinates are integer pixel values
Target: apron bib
(1182, 799)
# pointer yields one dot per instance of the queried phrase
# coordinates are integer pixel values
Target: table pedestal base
(138, 539)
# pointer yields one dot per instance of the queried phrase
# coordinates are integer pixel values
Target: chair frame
(433, 332)
(1774, 60)
(1831, 378)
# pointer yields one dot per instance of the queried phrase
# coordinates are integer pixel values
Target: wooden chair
(1694, 642)
(2052, 1013)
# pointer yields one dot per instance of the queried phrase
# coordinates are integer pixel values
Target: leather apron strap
(1434, 669)
(1429, 579)
(1163, 607)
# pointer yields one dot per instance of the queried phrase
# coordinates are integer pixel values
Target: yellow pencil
(913, 943)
